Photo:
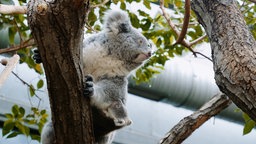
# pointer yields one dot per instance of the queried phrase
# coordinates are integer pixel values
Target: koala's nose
(149, 54)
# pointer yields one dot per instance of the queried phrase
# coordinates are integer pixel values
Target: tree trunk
(57, 27)
(233, 51)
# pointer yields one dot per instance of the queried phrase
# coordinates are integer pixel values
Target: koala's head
(125, 42)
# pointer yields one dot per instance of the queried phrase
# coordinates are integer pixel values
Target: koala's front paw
(88, 86)
(36, 56)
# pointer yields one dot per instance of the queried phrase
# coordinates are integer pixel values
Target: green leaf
(12, 32)
(13, 134)
(158, 42)
(147, 4)
(134, 20)
(97, 27)
(38, 68)
(142, 13)
(248, 127)
(9, 116)
(40, 84)
(15, 110)
(115, 1)
(35, 137)
(246, 117)
(146, 25)
(92, 18)
(22, 128)
(123, 6)
(22, 111)
(31, 90)
(8, 126)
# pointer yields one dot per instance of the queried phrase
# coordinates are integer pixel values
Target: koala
(108, 58)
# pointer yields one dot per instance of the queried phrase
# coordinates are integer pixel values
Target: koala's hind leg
(48, 136)
(106, 139)
(117, 111)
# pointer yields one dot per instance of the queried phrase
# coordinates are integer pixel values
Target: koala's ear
(117, 22)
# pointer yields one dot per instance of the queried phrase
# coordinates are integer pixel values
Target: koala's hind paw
(88, 86)
(119, 122)
(36, 56)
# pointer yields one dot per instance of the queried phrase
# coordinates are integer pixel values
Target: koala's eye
(118, 106)
(149, 45)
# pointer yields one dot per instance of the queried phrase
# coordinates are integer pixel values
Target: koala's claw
(36, 56)
(88, 86)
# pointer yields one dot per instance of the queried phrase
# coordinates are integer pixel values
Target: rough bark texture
(233, 51)
(57, 27)
(190, 123)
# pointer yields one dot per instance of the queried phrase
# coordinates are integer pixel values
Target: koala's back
(97, 58)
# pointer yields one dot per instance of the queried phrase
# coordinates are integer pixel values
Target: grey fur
(109, 57)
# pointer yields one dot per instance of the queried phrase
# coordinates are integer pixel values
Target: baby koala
(108, 58)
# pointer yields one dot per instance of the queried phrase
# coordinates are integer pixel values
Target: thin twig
(27, 43)
(18, 29)
(190, 24)
(88, 27)
(28, 85)
(204, 56)
(12, 9)
(198, 40)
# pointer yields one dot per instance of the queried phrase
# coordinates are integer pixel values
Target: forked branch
(181, 35)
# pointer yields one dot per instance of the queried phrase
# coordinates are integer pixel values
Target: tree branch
(11, 63)
(27, 43)
(12, 9)
(174, 28)
(186, 22)
(190, 123)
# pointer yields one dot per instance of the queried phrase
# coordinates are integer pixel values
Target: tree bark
(57, 27)
(233, 51)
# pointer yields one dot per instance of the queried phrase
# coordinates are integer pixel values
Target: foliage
(16, 27)
(18, 122)
(248, 9)
(145, 18)
(249, 124)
